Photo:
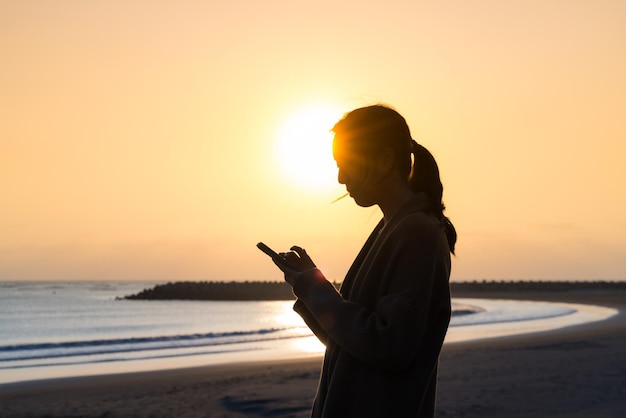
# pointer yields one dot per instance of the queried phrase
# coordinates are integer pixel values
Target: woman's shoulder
(419, 221)
(414, 220)
(415, 233)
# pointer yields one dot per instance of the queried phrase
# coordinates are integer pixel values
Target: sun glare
(304, 147)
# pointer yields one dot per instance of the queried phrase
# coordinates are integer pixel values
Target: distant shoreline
(258, 290)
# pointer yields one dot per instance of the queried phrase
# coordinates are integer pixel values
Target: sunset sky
(147, 139)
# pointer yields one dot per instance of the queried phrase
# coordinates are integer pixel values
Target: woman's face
(357, 173)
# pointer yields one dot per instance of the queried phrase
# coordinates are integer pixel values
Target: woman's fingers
(300, 251)
(306, 261)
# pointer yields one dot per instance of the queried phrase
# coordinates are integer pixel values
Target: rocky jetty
(217, 291)
(258, 290)
(534, 286)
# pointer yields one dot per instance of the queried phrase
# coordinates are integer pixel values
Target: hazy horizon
(151, 141)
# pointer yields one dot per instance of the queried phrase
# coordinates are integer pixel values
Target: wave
(102, 347)
(162, 346)
(494, 311)
(146, 355)
(49, 350)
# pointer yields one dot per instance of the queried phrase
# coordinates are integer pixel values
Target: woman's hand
(298, 261)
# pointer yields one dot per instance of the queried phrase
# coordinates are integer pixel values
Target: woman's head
(375, 141)
(370, 145)
(362, 135)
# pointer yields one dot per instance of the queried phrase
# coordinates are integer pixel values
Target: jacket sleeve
(388, 334)
(311, 321)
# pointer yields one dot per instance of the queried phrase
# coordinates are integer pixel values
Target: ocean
(60, 329)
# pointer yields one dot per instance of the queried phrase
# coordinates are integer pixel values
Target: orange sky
(138, 139)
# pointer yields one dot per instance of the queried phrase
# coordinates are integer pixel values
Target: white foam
(502, 318)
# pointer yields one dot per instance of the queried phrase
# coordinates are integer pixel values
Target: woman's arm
(390, 333)
(311, 321)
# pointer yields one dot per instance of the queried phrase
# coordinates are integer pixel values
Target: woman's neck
(393, 199)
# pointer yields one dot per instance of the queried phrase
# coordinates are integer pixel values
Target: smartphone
(274, 255)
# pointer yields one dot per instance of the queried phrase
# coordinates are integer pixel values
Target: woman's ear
(386, 161)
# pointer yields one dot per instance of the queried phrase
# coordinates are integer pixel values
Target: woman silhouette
(384, 330)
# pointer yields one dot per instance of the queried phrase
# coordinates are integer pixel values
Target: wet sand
(572, 372)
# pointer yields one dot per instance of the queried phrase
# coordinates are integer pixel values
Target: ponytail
(425, 178)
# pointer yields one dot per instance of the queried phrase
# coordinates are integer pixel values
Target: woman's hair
(368, 130)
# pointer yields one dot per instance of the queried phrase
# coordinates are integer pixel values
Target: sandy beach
(572, 372)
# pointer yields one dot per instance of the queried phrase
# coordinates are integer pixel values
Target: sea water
(58, 329)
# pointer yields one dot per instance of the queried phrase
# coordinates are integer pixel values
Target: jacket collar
(417, 203)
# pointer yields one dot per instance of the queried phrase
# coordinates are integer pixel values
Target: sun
(304, 146)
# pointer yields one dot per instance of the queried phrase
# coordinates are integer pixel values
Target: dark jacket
(384, 330)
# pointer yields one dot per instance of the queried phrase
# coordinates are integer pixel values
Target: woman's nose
(341, 177)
